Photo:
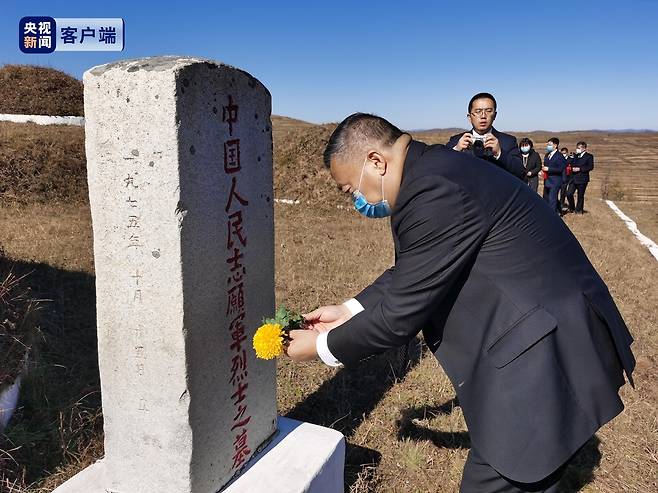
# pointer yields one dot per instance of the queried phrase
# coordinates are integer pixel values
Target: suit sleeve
(453, 141)
(589, 164)
(439, 236)
(559, 165)
(511, 159)
(373, 293)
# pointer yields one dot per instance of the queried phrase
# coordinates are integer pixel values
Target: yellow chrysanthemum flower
(268, 341)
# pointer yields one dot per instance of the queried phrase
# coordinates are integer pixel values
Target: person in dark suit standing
(581, 165)
(554, 166)
(566, 181)
(479, 258)
(531, 163)
(486, 142)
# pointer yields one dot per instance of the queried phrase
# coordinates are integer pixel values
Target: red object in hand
(569, 169)
(544, 175)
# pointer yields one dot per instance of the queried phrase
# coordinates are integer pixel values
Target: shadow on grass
(580, 471)
(344, 401)
(578, 474)
(408, 429)
(59, 408)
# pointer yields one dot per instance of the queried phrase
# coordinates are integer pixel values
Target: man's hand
(464, 142)
(491, 142)
(302, 345)
(544, 168)
(529, 173)
(325, 318)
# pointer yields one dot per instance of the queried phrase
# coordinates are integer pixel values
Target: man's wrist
(353, 306)
(322, 348)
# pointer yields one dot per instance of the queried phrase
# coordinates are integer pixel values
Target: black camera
(479, 150)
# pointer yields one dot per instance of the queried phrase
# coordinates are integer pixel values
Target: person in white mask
(531, 162)
(581, 164)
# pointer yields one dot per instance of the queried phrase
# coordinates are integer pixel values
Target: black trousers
(564, 191)
(480, 477)
(550, 196)
(533, 182)
(580, 204)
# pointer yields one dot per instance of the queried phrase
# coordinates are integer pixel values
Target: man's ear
(379, 161)
(493, 119)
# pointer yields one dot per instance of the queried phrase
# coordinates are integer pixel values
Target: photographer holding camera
(486, 142)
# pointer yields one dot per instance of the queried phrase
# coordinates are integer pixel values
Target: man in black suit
(486, 142)
(479, 260)
(566, 181)
(581, 164)
(554, 166)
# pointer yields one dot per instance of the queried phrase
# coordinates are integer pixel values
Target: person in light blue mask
(531, 163)
(476, 250)
(554, 165)
(372, 185)
(365, 208)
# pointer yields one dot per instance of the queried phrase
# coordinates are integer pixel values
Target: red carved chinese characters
(236, 243)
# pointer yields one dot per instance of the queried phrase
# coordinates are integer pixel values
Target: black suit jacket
(533, 165)
(586, 164)
(510, 155)
(556, 166)
(507, 300)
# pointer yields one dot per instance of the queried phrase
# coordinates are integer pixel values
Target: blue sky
(556, 65)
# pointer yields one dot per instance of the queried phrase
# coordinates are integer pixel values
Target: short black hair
(555, 141)
(526, 141)
(564, 149)
(582, 143)
(482, 95)
(359, 129)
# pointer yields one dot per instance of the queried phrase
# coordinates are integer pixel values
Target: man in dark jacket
(581, 164)
(566, 181)
(554, 166)
(479, 260)
(531, 163)
(486, 142)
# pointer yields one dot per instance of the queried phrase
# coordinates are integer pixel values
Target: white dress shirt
(321, 342)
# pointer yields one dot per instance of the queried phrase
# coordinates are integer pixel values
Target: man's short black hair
(555, 141)
(582, 143)
(526, 141)
(359, 130)
(564, 149)
(482, 95)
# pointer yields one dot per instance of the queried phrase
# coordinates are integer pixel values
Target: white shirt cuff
(499, 154)
(354, 306)
(323, 350)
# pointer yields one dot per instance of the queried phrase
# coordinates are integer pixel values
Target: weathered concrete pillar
(179, 154)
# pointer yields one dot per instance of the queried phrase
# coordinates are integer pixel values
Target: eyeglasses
(480, 111)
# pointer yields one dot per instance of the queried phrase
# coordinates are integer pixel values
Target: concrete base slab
(301, 457)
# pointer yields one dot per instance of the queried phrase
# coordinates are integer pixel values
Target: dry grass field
(405, 433)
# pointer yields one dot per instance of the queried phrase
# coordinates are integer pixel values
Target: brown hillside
(40, 163)
(33, 90)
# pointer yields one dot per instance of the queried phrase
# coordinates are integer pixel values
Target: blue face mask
(549, 148)
(365, 208)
